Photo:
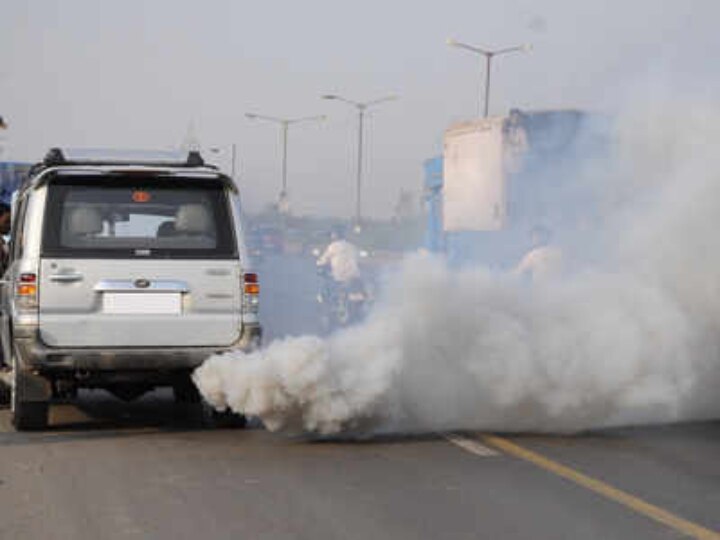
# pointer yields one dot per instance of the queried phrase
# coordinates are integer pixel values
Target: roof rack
(93, 157)
(56, 157)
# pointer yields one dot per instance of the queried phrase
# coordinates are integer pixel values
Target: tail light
(251, 293)
(26, 291)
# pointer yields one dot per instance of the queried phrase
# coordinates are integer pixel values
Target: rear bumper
(37, 356)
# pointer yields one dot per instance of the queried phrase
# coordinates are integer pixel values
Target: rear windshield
(137, 217)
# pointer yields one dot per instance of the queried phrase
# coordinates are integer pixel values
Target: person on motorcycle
(544, 262)
(343, 292)
(342, 257)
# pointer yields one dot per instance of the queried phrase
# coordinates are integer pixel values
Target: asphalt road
(146, 470)
(112, 470)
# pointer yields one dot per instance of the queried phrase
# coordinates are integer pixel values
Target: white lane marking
(471, 445)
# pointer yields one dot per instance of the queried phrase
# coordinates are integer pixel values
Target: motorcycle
(341, 304)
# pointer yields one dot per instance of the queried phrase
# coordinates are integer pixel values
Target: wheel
(186, 392)
(5, 382)
(343, 316)
(26, 415)
(4, 395)
(221, 419)
(28, 400)
(326, 324)
(30, 415)
(356, 312)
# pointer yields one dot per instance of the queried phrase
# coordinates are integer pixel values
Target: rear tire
(186, 392)
(5, 395)
(28, 414)
(221, 419)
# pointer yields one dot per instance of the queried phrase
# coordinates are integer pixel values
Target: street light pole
(488, 63)
(285, 124)
(361, 108)
(358, 181)
(488, 72)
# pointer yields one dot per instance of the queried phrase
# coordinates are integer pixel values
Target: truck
(499, 177)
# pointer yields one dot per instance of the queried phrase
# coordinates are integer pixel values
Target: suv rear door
(138, 261)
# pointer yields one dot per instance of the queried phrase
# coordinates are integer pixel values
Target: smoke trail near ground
(634, 339)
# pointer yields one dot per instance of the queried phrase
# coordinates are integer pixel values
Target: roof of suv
(93, 162)
(58, 156)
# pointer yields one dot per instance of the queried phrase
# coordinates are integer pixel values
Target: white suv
(124, 274)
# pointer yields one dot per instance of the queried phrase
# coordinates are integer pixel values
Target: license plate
(142, 303)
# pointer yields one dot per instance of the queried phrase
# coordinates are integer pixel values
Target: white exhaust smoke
(635, 339)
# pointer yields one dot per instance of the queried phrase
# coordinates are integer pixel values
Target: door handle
(66, 278)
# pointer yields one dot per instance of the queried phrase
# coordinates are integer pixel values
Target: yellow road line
(606, 490)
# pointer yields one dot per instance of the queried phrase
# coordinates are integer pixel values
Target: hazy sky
(137, 74)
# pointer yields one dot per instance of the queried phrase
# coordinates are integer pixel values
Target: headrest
(84, 220)
(193, 218)
(166, 228)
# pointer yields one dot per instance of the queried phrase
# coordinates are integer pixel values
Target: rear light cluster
(26, 291)
(251, 293)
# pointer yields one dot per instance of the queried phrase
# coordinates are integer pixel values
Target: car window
(145, 217)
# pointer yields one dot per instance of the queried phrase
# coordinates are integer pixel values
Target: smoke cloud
(631, 336)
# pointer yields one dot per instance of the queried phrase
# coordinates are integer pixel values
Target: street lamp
(361, 108)
(488, 59)
(285, 124)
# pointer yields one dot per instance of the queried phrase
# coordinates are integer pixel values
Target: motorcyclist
(343, 291)
(544, 262)
(342, 257)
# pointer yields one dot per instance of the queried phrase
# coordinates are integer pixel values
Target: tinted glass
(137, 217)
